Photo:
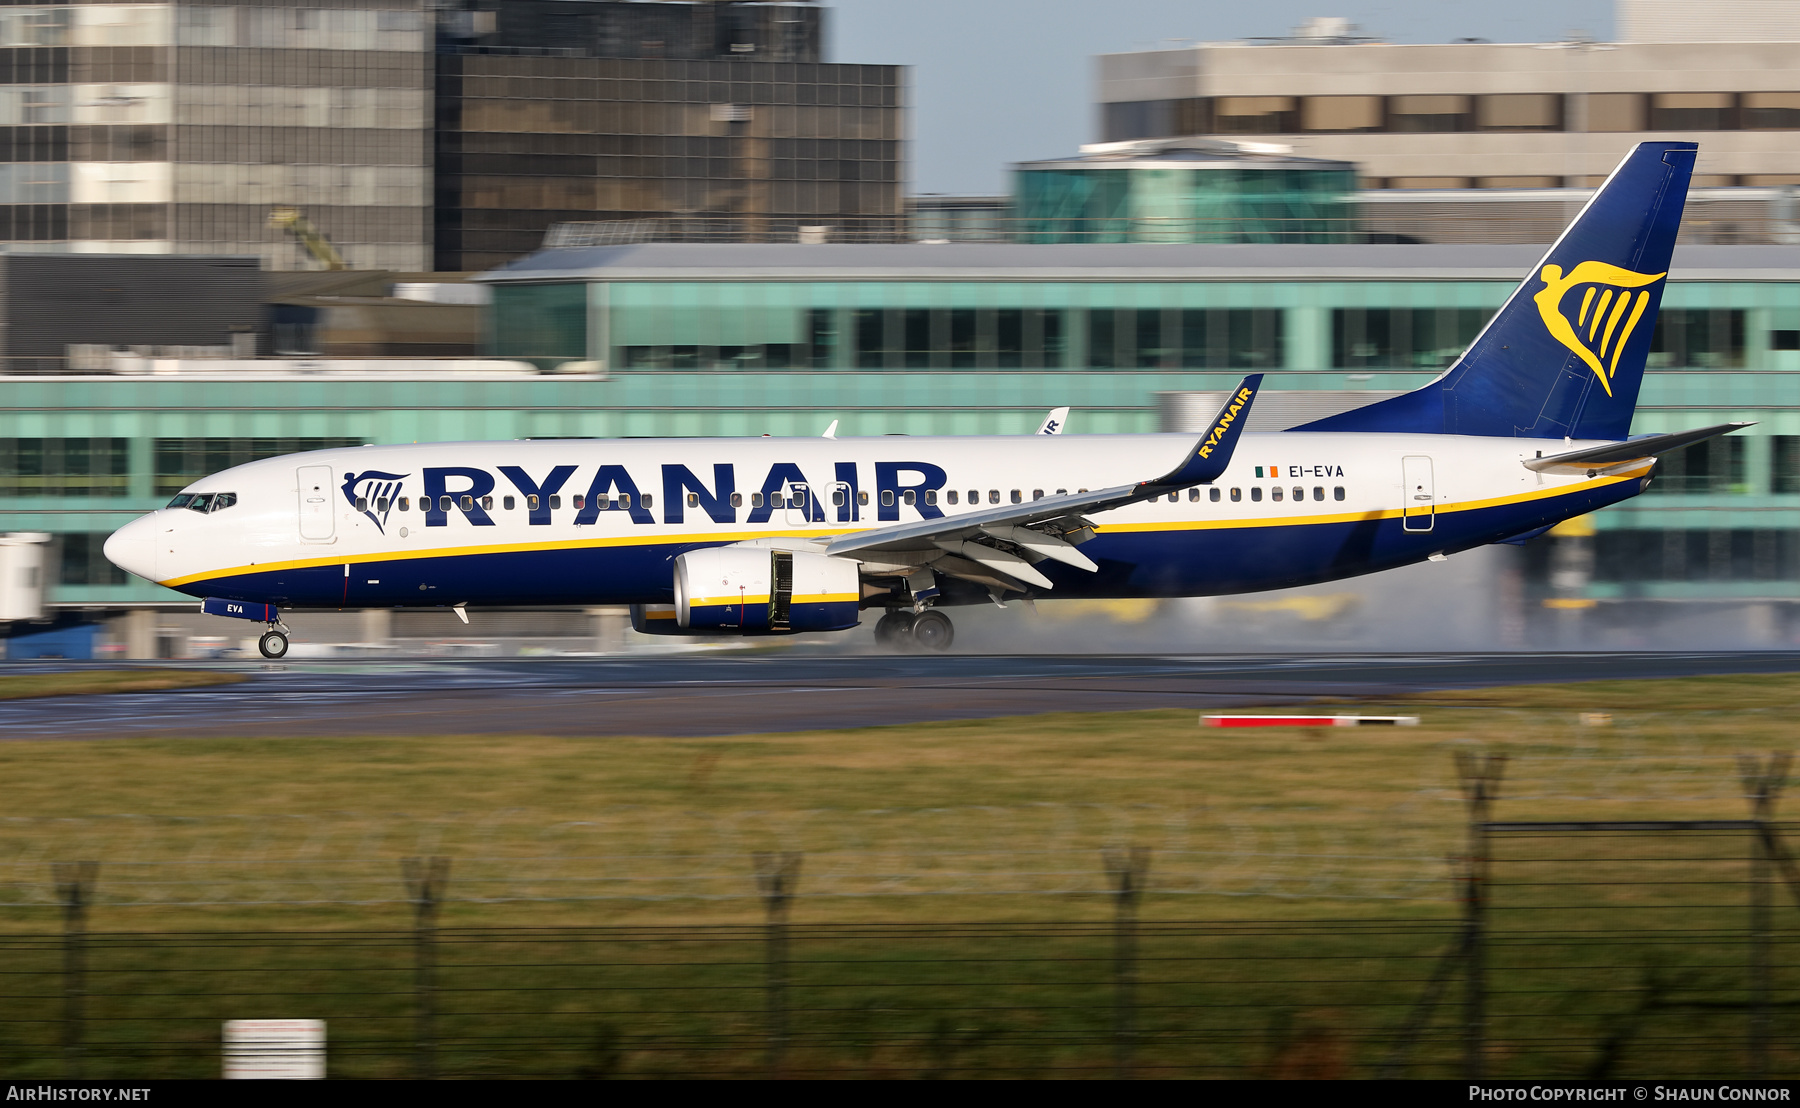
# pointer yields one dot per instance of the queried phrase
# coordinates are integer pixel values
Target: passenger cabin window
(381, 503)
(1194, 494)
(530, 502)
(1318, 493)
(887, 498)
(838, 498)
(798, 500)
(756, 500)
(1213, 495)
(1174, 496)
(487, 503)
(1274, 494)
(993, 496)
(555, 502)
(507, 503)
(648, 500)
(1018, 497)
(1062, 492)
(931, 496)
(862, 498)
(445, 503)
(1337, 493)
(579, 501)
(910, 498)
(974, 496)
(1037, 494)
(1256, 493)
(776, 500)
(362, 503)
(1299, 494)
(693, 500)
(468, 503)
(737, 500)
(405, 504)
(952, 495)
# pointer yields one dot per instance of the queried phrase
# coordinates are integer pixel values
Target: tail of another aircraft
(1565, 356)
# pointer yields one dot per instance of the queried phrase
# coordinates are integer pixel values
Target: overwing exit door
(316, 514)
(1417, 514)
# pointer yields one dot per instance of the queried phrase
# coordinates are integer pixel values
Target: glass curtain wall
(1181, 204)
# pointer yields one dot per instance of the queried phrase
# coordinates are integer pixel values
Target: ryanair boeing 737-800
(777, 536)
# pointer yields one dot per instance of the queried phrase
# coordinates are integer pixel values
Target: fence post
(1762, 787)
(1480, 775)
(74, 888)
(425, 880)
(1126, 869)
(777, 876)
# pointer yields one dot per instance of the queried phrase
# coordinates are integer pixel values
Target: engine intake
(756, 591)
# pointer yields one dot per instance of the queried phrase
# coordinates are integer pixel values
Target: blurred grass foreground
(1062, 894)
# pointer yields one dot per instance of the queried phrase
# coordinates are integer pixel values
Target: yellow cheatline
(503, 548)
(1570, 603)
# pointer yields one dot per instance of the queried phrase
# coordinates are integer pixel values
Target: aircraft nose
(133, 548)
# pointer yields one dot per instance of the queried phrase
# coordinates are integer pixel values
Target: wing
(1631, 450)
(1000, 545)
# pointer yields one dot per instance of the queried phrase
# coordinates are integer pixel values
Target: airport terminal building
(751, 339)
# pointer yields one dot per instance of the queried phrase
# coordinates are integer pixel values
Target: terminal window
(1410, 338)
(79, 561)
(1185, 338)
(1701, 338)
(65, 467)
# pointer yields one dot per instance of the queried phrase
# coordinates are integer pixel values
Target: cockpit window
(204, 502)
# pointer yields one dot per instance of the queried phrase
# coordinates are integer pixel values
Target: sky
(995, 82)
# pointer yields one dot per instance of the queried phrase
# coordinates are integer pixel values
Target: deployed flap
(1205, 461)
(1644, 446)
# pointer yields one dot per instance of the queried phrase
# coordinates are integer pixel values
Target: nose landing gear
(274, 643)
(900, 630)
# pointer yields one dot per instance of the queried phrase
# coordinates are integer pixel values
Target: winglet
(831, 431)
(1054, 422)
(1213, 452)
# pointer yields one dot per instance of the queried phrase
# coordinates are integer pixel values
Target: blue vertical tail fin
(1564, 357)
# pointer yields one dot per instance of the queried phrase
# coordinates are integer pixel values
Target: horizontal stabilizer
(1644, 446)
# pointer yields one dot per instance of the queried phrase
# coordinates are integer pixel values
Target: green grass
(1308, 826)
(15, 686)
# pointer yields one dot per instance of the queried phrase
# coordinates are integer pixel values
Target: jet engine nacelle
(750, 590)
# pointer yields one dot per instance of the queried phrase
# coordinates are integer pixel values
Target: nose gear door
(1417, 512)
(317, 517)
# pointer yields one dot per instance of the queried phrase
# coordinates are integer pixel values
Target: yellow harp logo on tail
(1613, 300)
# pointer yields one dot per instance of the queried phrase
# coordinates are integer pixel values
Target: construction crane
(295, 223)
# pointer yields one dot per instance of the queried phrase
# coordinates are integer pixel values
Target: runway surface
(713, 694)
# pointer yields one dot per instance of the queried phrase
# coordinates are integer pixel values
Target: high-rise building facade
(176, 127)
(1475, 114)
(720, 121)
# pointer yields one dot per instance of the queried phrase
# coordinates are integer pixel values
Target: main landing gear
(273, 644)
(929, 630)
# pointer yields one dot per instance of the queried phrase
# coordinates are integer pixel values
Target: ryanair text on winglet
(1225, 422)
